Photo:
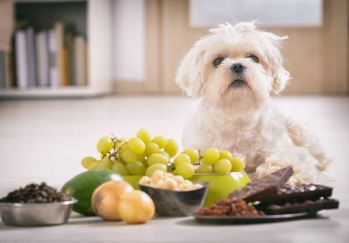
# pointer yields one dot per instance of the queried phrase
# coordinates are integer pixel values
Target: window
(270, 13)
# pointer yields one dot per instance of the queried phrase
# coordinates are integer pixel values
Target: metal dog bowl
(176, 203)
(36, 214)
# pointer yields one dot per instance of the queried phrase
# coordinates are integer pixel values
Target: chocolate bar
(298, 193)
(299, 207)
(266, 186)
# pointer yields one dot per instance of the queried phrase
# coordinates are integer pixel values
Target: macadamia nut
(168, 181)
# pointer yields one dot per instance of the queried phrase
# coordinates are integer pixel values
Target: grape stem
(114, 153)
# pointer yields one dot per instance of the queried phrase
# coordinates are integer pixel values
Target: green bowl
(133, 180)
(221, 185)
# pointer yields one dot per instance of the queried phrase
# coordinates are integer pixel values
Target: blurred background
(74, 71)
(59, 48)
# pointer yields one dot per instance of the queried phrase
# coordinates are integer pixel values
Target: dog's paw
(304, 170)
(323, 161)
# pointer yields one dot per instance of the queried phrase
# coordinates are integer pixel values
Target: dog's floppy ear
(280, 74)
(190, 72)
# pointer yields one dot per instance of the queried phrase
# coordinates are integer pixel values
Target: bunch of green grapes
(140, 155)
(144, 154)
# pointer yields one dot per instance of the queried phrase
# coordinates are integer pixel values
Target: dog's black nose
(237, 68)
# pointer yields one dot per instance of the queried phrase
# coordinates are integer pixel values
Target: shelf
(91, 19)
(39, 92)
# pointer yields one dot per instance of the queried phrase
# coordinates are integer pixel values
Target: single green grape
(93, 165)
(104, 145)
(119, 168)
(222, 166)
(86, 162)
(136, 145)
(186, 170)
(205, 168)
(96, 166)
(154, 167)
(151, 148)
(193, 154)
(237, 164)
(160, 140)
(136, 168)
(142, 158)
(157, 158)
(164, 153)
(107, 163)
(104, 163)
(171, 147)
(225, 154)
(128, 156)
(182, 158)
(211, 155)
(144, 135)
(145, 163)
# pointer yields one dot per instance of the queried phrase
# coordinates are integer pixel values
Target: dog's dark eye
(217, 61)
(254, 58)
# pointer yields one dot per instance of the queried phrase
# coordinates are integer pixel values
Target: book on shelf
(53, 69)
(21, 60)
(31, 57)
(2, 69)
(26, 58)
(42, 57)
(80, 61)
(69, 45)
(6, 25)
(59, 30)
(6, 79)
(46, 58)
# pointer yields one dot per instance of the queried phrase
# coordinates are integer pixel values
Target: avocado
(82, 186)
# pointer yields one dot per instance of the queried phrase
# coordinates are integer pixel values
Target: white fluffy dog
(234, 69)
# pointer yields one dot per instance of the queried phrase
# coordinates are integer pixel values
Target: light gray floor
(44, 140)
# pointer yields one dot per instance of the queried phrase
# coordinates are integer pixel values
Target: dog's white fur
(243, 119)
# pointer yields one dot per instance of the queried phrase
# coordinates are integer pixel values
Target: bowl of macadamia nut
(173, 196)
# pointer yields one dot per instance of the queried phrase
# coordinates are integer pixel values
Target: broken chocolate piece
(299, 207)
(266, 186)
(298, 193)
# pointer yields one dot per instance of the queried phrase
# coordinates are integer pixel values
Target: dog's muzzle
(238, 69)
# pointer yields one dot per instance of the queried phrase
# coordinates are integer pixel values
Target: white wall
(128, 40)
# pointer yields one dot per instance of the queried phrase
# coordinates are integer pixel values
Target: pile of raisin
(230, 207)
(35, 193)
